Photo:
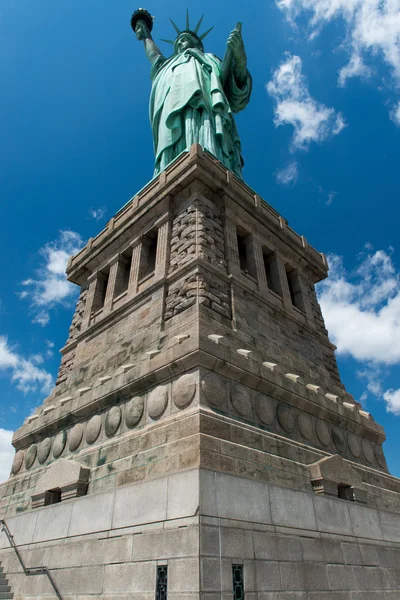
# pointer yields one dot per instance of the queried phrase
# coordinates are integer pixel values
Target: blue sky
(320, 139)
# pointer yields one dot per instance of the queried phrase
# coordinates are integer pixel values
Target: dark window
(238, 585)
(242, 248)
(101, 291)
(162, 583)
(148, 255)
(124, 270)
(52, 497)
(294, 288)
(272, 272)
(346, 492)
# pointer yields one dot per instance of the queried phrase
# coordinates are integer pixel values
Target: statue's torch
(141, 14)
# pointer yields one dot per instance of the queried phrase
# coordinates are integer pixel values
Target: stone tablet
(30, 456)
(265, 409)
(134, 411)
(17, 462)
(323, 434)
(338, 439)
(305, 424)
(44, 450)
(157, 401)
(113, 420)
(184, 390)
(285, 417)
(75, 437)
(59, 444)
(241, 400)
(93, 429)
(214, 388)
(354, 445)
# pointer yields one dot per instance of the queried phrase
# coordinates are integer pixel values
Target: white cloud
(97, 213)
(372, 29)
(312, 120)
(6, 454)
(392, 399)
(50, 287)
(395, 114)
(362, 308)
(24, 373)
(289, 174)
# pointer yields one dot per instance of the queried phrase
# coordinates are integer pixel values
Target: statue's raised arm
(194, 94)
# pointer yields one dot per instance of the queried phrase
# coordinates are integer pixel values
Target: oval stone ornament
(323, 434)
(380, 457)
(75, 437)
(354, 445)
(241, 400)
(44, 450)
(285, 417)
(17, 462)
(113, 420)
(59, 443)
(367, 451)
(214, 389)
(305, 424)
(133, 411)
(184, 390)
(157, 401)
(93, 429)
(30, 456)
(264, 409)
(338, 439)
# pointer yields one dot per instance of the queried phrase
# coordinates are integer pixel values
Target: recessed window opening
(271, 271)
(346, 492)
(294, 288)
(148, 254)
(52, 497)
(162, 583)
(238, 582)
(243, 251)
(101, 291)
(124, 269)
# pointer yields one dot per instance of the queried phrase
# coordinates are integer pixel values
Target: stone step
(6, 595)
(4, 587)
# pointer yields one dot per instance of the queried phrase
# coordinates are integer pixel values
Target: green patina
(194, 95)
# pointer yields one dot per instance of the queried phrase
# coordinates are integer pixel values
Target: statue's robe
(189, 104)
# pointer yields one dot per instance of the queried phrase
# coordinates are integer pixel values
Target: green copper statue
(194, 94)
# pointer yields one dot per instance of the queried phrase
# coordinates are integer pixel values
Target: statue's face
(185, 41)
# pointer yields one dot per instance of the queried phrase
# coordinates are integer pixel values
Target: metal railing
(29, 571)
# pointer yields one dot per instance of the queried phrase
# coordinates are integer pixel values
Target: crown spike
(168, 42)
(196, 30)
(178, 31)
(206, 33)
(187, 20)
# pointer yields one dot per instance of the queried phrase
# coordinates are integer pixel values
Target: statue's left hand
(235, 43)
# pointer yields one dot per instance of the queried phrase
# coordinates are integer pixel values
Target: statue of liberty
(194, 94)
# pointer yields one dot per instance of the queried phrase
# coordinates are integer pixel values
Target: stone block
(65, 556)
(368, 555)
(236, 543)
(22, 527)
(130, 577)
(164, 544)
(140, 503)
(365, 522)
(351, 554)
(209, 541)
(84, 580)
(267, 576)
(291, 508)
(242, 499)
(289, 548)
(210, 574)
(340, 577)
(390, 524)
(107, 551)
(332, 515)
(53, 522)
(303, 576)
(92, 514)
(265, 545)
(183, 494)
(183, 575)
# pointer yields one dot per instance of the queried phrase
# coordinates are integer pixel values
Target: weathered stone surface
(59, 443)
(30, 456)
(134, 411)
(44, 450)
(285, 417)
(338, 439)
(264, 406)
(93, 429)
(112, 421)
(380, 457)
(157, 401)
(241, 400)
(17, 462)
(367, 451)
(75, 437)
(354, 445)
(214, 389)
(323, 433)
(305, 424)
(184, 390)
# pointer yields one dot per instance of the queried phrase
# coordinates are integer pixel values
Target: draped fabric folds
(189, 104)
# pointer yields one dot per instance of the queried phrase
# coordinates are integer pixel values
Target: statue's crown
(193, 32)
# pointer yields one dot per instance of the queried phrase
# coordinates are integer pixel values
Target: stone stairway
(5, 589)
